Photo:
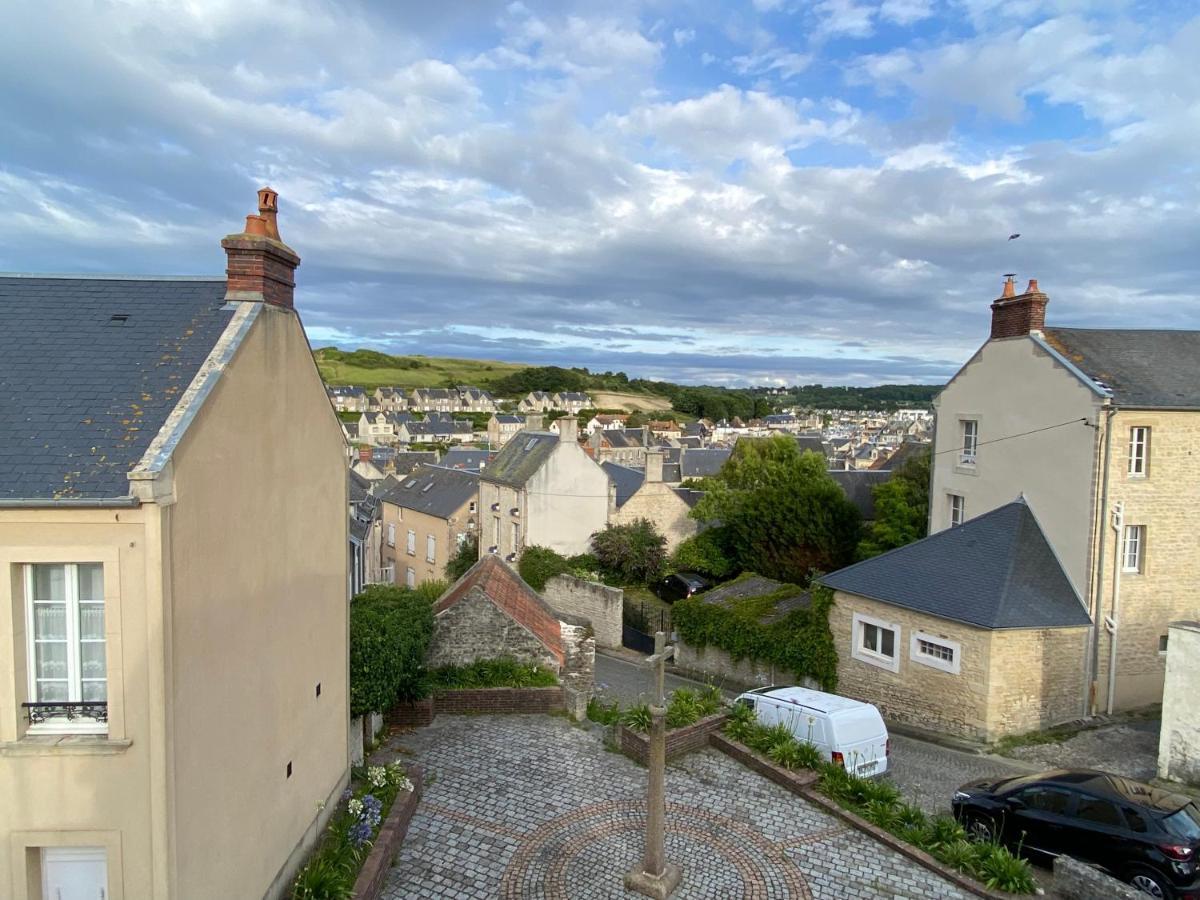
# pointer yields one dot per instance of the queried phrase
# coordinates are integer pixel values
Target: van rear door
(861, 737)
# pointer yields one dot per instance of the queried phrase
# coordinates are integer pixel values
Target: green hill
(371, 369)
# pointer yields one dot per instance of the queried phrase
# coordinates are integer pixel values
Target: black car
(680, 586)
(1137, 833)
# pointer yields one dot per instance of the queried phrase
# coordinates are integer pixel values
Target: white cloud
(906, 12)
(683, 36)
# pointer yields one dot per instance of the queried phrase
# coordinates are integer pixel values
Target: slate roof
(812, 442)
(702, 463)
(82, 394)
(465, 458)
(994, 571)
(1147, 369)
(690, 497)
(433, 490)
(509, 420)
(906, 451)
(624, 479)
(858, 485)
(408, 460)
(520, 458)
(758, 586)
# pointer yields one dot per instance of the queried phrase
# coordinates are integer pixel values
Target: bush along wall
(800, 641)
(390, 630)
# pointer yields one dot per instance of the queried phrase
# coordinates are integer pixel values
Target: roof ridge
(109, 276)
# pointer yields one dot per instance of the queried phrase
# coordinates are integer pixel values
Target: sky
(758, 192)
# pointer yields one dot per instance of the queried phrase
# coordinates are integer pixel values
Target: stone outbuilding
(642, 494)
(975, 631)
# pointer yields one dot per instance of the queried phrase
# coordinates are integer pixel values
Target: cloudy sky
(723, 192)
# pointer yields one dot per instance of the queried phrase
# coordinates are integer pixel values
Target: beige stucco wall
(1167, 502)
(1012, 387)
(445, 533)
(94, 794)
(1179, 742)
(656, 501)
(567, 501)
(257, 555)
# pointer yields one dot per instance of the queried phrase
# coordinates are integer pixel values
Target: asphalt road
(618, 679)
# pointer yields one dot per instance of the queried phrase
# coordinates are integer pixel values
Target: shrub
(603, 713)
(325, 879)
(703, 553)
(998, 868)
(741, 723)
(958, 854)
(464, 557)
(710, 700)
(683, 708)
(637, 718)
(488, 673)
(788, 754)
(390, 629)
(944, 830)
(881, 813)
(539, 564)
(630, 554)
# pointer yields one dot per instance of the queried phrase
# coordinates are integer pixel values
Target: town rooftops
(702, 463)
(520, 458)
(994, 571)
(859, 486)
(466, 458)
(1141, 369)
(432, 490)
(624, 479)
(90, 369)
(504, 419)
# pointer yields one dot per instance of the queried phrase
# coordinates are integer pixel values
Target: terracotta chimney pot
(260, 268)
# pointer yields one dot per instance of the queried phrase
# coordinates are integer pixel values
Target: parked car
(1141, 834)
(680, 586)
(848, 732)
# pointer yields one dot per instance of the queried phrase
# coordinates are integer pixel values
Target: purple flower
(360, 833)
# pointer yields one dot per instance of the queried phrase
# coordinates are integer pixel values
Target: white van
(846, 731)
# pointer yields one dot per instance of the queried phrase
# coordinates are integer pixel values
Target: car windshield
(1184, 823)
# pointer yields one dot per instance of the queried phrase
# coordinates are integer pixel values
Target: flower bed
(878, 803)
(332, 871)
(691, 717)
(492, 673)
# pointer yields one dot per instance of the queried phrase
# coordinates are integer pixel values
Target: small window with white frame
(958, 506)
(1139, 451)
(935, 651)
(391, 534)
(1162, 644)
(66, 652)
(410, 577)
(875, 642)
(430, 548)
(1133, 552)
(410, 546)
(970, 441)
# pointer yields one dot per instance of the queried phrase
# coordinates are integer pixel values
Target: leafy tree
(704, 553)
(539, 564)
(631, 554)
(901, 508)
(390, 630)
(780, 512)
(464, 557)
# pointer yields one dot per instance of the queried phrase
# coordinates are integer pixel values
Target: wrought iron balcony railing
(96, 710)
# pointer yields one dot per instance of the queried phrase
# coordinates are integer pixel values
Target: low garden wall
(636, 745)
(470, 701)
(1074, 880)
(373, 875)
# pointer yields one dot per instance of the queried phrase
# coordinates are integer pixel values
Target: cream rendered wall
(1179, 743)
(258, 572)
(1011, 387)
(96, 792)
(567, 501)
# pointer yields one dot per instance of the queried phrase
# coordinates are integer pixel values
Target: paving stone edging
(803, 784)
(683, 740)
(373, 875)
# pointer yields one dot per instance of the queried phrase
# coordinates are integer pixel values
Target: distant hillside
(371, 369)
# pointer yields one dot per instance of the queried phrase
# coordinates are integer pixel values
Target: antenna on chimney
(1009, 285)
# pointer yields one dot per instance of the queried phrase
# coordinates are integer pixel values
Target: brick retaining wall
(679, 740)
(476, 700)
(373, 874)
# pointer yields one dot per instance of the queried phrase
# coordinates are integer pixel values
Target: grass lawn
(433, 372)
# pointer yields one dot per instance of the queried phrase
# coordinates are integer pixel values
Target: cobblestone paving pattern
(532, 807)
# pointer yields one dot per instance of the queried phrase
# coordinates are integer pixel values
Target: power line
(1009, 437)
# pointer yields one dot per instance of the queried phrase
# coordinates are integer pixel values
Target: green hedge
(390, 630)
(800, 642)
(489, 673)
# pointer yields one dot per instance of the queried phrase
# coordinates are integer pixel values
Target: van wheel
(980, 828)
(1150, 882)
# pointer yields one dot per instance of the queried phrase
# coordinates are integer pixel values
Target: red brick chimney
(1015, 315)
(261, 268)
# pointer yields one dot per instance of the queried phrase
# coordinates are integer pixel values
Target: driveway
(536, 807)
(619, 678)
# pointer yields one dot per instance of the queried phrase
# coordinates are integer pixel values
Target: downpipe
(1111, 622)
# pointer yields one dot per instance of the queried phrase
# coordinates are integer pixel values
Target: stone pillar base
(659, 887)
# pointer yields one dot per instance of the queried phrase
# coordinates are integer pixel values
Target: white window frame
(410, 577)
(1133, 538)
(74, 677)
(968, 449)
(958, 509)
(410, 543)
(918, 655)
(863, 654)
(1139, 451)
(391, 534)
(430, 548)
(516, 537)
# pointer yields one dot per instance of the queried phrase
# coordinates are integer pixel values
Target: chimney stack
(260, 267)
(533, 423)
(1015, 315)
(568, 429)
(654, 466)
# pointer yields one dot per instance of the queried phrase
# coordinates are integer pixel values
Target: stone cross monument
(654, 876)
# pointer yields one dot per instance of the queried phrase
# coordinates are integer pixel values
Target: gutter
(69, 502)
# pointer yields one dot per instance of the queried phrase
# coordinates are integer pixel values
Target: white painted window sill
(65, 745)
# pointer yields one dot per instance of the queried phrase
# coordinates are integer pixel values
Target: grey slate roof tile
(520, 458)
(82, 396)
(994, 571)
(430, 489)
(1144, 368)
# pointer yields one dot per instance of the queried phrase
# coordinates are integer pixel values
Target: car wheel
(980, 827)
(1151, 882)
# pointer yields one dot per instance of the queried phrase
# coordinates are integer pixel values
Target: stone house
(536, 402)
(472, 399)
(175, 568)
(347, 398)
(974, 631)
(435, 430)
(664, 429)
(606, 422)
(1097, 427)
(501, 428)
(390, 399)
(626, 447)
(642, 494)
(427, 515)
(376, 428)
(541, 489)
(434, 400)
(572, 402)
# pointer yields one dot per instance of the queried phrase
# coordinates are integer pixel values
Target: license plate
(867, 768)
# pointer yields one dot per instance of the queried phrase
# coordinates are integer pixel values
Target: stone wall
(658, 503)
(716, 663)
(598, 603)
(1179, 743)
(1074, 880)
(579, 665)
(1037, 679)
(473, 628)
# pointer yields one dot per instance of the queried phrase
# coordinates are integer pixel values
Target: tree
(464, 557)
(539, 564)
(901, 508)
(390, 630)
(780, 512)
(704, 553)
(631, 554)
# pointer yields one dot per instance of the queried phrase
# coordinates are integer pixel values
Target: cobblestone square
(533, 806)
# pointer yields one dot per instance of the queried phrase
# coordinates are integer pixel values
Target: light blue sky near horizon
(759, 192)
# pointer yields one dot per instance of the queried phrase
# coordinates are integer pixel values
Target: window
(1135, 548)
(957, 509)
(471, 508)
(516, 537)
(496, 530)
(1162, 644)
(1046, 799)
(875, 642)
(1098, 812)
(64, 606)
(1139, 451)
(411, 543)
(935, 652)
(1135, 820)
(391, 535)
(970, 441)
(410, 577)
(430, 548)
